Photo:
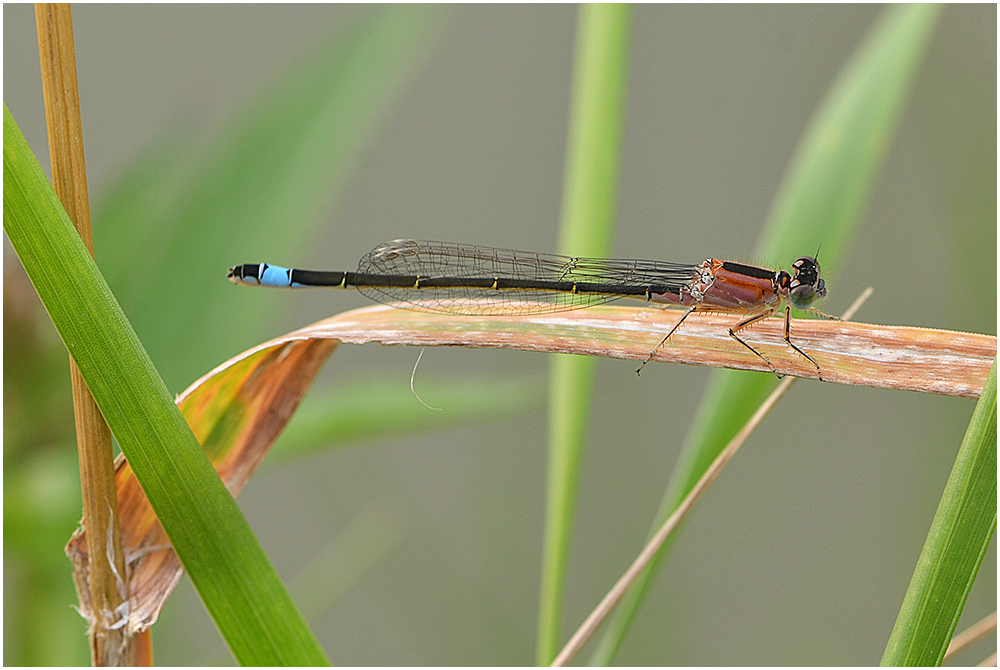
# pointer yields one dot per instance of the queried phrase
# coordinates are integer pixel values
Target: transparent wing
(543, 278)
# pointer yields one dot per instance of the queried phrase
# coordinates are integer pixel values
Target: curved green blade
(234, 577)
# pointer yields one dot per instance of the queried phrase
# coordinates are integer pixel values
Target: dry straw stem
(107, 588)
(976, 631)
(614, 596)
(894, 357)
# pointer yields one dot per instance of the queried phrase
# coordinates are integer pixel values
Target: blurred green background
(306, 135)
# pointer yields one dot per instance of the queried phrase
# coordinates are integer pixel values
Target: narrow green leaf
(819, 206)
(960, 534)
(233, 576)
(588, 213)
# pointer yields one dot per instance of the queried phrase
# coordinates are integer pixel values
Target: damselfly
(473, 280)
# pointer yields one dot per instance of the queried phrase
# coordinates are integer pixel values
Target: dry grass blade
(238, 409)
(237, 412)
(895, 357)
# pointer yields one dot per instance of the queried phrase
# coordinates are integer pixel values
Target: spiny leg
(749, 322)
(824, 314)
(665, 337)
(788, 340)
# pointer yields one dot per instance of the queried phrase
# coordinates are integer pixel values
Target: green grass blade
(959, 537)
(820, 202)
(589, 198)
(835, 170)
(235, 579)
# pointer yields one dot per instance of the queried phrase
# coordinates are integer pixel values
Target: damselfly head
(806, 285)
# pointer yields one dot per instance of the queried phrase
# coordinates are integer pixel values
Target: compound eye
(802, 290)
(802, 296)
(806, 285)
(820, 288)
(807, 265)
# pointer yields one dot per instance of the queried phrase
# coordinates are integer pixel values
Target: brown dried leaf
(238, 410)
